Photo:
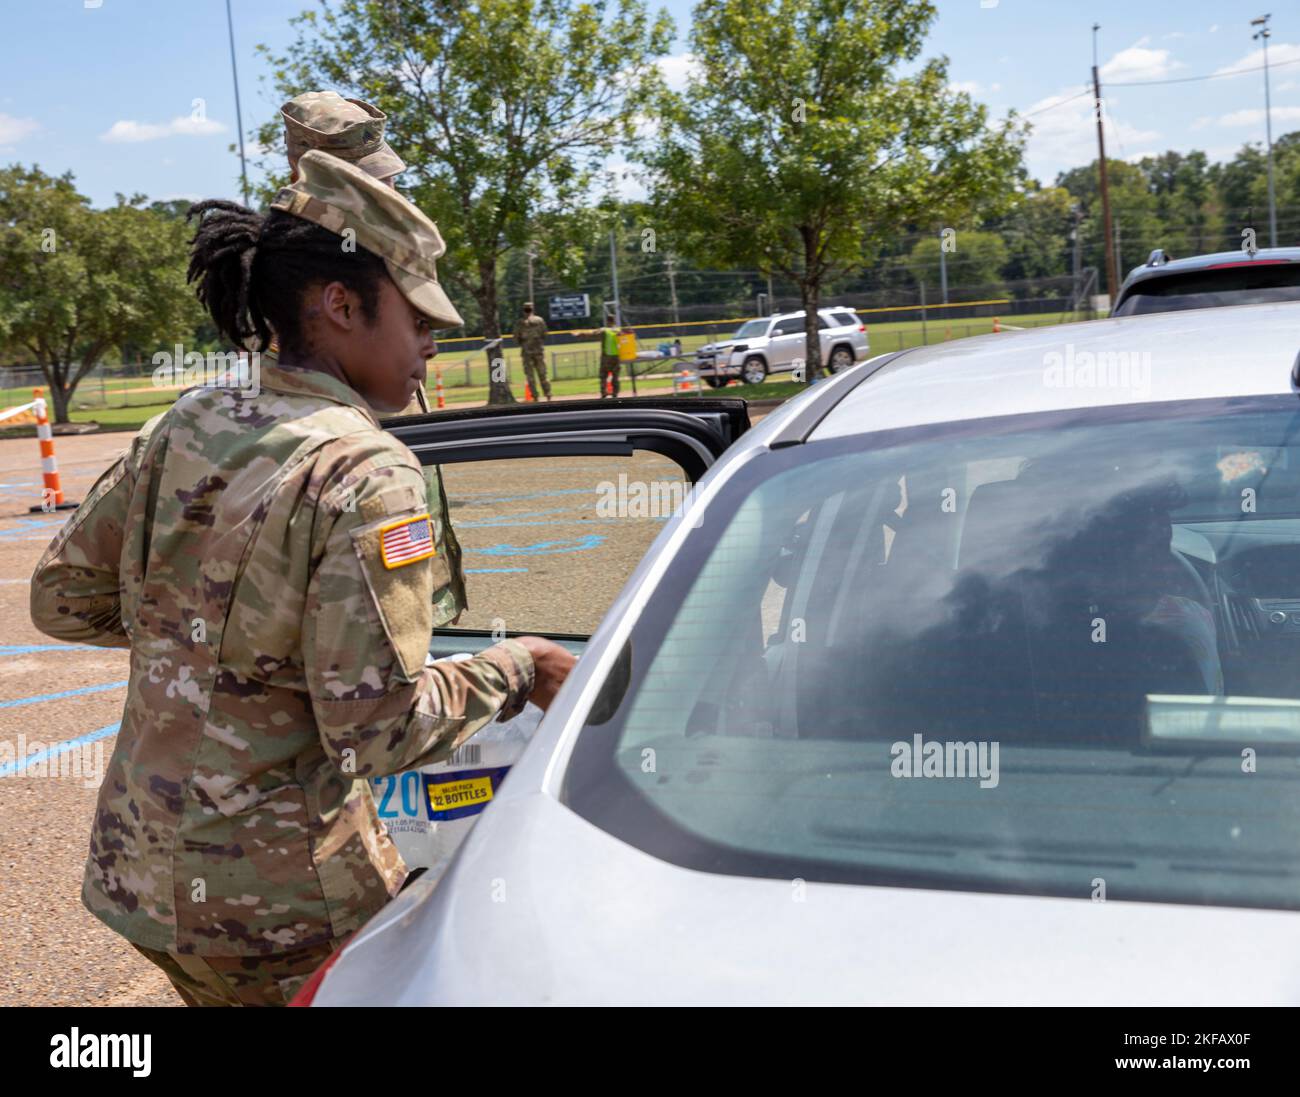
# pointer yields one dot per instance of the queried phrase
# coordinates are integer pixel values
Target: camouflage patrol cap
(350, 129)
(337, 196)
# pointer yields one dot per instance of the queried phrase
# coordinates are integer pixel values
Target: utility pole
(1074, 236)
(1112, 274)
(1263, 35)
(771, 304)
(531, 256)
(672, 288)
(613, 271)
(239, 117)
(1119, 254)
(943, 269)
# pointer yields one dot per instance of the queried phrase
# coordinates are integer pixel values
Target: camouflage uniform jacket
(451, 599)
(265, 559)
(530, 333)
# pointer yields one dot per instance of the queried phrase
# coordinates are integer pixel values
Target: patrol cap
(350, 129)
(337, 196)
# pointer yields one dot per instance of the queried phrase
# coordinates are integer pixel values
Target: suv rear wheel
(716, 382)
(754, 371)
(841, 359)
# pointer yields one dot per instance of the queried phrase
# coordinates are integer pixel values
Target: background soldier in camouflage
(353, 130)
(530, 334)
(268, 559)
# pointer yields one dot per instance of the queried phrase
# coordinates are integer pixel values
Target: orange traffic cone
(997, 325)
(528, 393)
(53, 494)
(442, 403)
(609, 384)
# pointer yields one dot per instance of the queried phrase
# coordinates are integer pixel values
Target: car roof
(822, 309)
(1148, 271)
(1199, 353)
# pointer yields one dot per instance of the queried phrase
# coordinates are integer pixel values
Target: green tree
(1037, 234)
(75, 282)
(976, 259)
(799, 144)
(1133, 209)
(503, 109)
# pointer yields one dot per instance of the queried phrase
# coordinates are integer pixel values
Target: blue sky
(107, 88)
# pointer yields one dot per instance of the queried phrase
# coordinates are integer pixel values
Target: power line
(1193, 79)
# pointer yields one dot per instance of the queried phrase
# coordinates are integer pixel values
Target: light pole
(1263, 35)
(943, 268)
(239, 118)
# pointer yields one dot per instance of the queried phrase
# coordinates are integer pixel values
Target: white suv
(774, 343)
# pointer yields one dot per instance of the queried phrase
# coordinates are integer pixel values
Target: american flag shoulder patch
(406, 541)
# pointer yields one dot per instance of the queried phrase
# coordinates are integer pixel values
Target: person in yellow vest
(609, 361)
(353, 130)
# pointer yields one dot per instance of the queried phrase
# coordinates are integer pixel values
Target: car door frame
(691, 431)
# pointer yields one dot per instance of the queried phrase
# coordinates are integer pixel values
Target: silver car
(773, 344)
(966, 677)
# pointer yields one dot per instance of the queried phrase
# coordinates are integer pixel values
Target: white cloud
(1139, 63)
(126, 132)
(1254, 117)
(13, 130)
(1066, 137)
(970, 87)
(677, 69)
(1277, 53)
(1214, 28)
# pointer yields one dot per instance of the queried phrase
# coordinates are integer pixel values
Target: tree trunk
(486, 295)
(59, 397)
(810, 289)
(811, 293)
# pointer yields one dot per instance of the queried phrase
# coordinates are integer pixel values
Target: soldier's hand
(551, 666)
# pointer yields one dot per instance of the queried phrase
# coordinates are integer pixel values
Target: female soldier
(268, 558)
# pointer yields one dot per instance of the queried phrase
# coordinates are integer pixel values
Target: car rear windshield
(1052, 654)
(1253, 284)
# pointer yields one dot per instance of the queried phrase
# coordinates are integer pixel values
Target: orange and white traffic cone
(52, 496)
(528, 393)
(442, 403)
(609, 384)
(997, 325)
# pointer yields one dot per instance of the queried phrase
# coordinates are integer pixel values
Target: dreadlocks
(252, 271)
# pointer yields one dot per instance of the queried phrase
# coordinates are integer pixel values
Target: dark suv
(1207, 281)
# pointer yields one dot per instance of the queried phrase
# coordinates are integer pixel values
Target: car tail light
(307, 994)
(1248, 263)
(862, 327)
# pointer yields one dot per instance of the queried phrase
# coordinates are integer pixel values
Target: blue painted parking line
(28, 649)
(30, 525)
(58, 696)
(492, 571)
(20, 764)
(541, 548)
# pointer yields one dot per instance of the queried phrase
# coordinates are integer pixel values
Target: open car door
(554, 506)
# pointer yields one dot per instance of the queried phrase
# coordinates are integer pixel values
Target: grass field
(127, 403)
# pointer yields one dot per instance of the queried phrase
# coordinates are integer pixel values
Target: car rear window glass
(1050, 654)
(1211, 288)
